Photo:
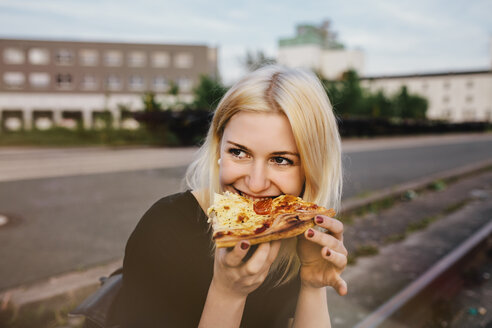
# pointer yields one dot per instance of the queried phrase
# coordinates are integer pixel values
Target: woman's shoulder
(171, 212)
(178, 203)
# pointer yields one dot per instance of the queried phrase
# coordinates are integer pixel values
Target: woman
(273, 133)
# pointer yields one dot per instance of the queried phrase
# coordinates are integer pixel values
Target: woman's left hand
(323, 255)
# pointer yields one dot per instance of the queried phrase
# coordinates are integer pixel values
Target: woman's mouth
(252, 198)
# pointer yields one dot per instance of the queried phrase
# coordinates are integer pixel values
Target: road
(63, 218)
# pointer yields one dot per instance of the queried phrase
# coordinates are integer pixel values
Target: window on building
(64, 81)
(113, 82)
(488, 115)
(425, 86)
(136, 82)
(39, 79)
(183, 60)
(137, 59)
(469, 99)
(160, 83)
(446, 84)
(184, 84)
(469, 84)
(14, 79)
(88, 57)
(64, 57)
(160, 59)
(13, 56)
(446, 114)
(445, 99)
(113, 58)
(89, 82)
(38, 56)
(469, 115)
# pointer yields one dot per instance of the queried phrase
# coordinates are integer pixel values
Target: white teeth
(253, 199)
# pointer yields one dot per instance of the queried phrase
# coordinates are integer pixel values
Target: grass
(50, 313)
(360, 251)
(372, 249)
(81, 137)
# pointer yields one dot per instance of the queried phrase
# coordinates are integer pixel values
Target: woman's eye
(237, 152)
(282, 161)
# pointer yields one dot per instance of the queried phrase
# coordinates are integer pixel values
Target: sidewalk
(29, 163)
(395, 246)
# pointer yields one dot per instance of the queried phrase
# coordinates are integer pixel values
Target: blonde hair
(299, 95)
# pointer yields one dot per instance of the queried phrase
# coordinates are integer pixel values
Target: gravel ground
(393, 247)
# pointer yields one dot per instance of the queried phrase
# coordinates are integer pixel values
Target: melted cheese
(231, 211)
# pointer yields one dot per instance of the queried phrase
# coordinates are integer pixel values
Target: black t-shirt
(168, 268)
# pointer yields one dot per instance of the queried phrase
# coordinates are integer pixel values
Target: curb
(70, 283)
(352, 204)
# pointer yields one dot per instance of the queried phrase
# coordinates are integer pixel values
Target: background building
(452, 96)
(317, 48)
(59, 82)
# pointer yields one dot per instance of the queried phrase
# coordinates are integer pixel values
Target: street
(74, 221)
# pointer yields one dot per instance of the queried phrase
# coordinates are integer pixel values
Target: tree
(346, 95)
(254, 61)
(150, 103)
(208, 93)
(409, 106)
(379, 105)
(173, 88)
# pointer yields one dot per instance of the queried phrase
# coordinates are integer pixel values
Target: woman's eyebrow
(238, 145)
(276, 153)
(286, 153)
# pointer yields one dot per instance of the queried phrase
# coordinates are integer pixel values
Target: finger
(340, 286)
(339, 260)
(274, 249)
(256, 263)
(234, 257)
(334, 226)
(324, 239)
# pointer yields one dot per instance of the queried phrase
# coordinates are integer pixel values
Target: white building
(452, 96)
(316, 48)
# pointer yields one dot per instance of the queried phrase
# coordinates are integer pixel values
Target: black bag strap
(97, 307)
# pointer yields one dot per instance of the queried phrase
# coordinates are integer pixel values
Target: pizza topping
(241, 218)
(265, 226)
(263, 207)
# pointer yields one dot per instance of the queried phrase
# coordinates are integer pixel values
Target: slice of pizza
(235, 218)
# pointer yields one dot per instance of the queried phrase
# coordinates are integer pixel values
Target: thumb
(341, 287)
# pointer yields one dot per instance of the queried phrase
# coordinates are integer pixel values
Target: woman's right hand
(238, 278)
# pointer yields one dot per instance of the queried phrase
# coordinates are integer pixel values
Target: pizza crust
(285, 226)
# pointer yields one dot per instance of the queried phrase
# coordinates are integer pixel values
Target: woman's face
(259, 156)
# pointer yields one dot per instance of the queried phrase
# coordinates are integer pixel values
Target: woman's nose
(258, 178)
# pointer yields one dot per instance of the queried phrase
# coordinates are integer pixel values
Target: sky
(397, 37)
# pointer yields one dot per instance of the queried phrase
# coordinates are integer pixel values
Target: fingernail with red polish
(319, 219)
(310, 233)
(244, 245)
(328, 253)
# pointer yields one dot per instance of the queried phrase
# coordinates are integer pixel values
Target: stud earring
(218, 161)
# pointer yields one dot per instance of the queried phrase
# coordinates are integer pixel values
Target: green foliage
(409, 106)
(208, 93)
(62, 137)
(349, 99)
(173, 88)
(253, 61)
(150, 103)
